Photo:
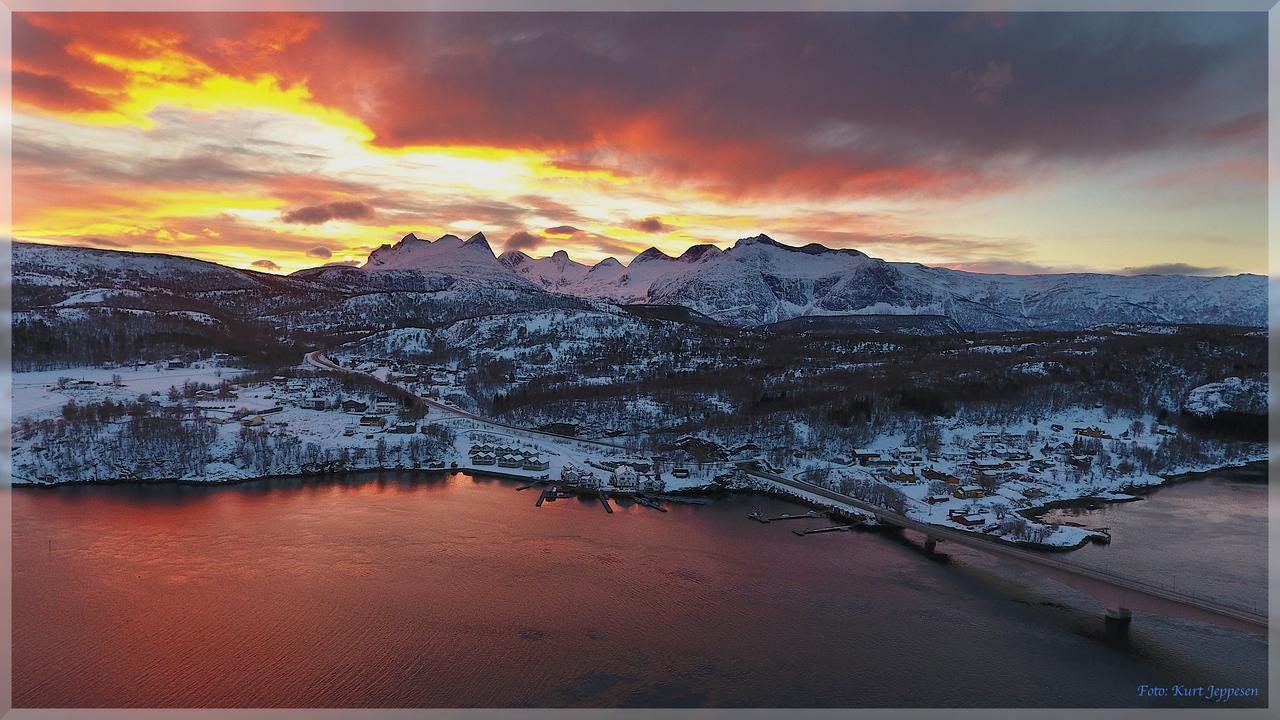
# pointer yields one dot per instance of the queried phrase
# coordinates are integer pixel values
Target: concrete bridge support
(1118, 617)
(930, 545)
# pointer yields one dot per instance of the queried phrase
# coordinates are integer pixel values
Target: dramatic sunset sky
(1008, 143)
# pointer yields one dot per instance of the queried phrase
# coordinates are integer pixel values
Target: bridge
(1120, 595)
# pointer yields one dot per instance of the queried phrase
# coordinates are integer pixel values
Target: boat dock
(833, 528)
(551, 493)
(787, 516)
(649, 503)
(604, 500)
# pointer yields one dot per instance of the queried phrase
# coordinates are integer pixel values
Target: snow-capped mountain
(757, 281)
(449, 255)
(760, 281)
(556, 272)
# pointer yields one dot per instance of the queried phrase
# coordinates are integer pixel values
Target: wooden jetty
(786, 516)
(604, 500)
(833, 528)
(649, 503)
(551, 494)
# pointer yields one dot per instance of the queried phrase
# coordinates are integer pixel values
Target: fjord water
(407, 591)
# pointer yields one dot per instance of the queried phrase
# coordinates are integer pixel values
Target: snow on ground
(1038, 460)
(36, 394)
(1230, 395)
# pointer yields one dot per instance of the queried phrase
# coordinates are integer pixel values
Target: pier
(786, 516)
(649, 503)
(833, 528)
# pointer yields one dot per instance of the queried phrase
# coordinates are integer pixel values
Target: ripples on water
(402, 591)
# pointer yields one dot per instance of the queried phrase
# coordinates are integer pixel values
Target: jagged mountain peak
(478, 240)
(650, 255)
(512, 259)
(448, 254)
(694, 253)
(760, 239)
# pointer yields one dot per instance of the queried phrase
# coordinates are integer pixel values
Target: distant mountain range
(758, 281)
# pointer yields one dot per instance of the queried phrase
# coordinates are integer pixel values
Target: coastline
(836, 513)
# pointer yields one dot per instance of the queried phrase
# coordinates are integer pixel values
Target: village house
(372, 420)
(863, 456)
(312, 403)
(906, 453)
(576, 476)
(625, 477)
(966, 519)
(881, 461)
(1080, 461)
(967, 492)
(510, 460)
(991, 465)
(948, 478)
(536, 463)
(403, 428)
(354, 406)
(252, 421)
(483, 458)
(1092, 432)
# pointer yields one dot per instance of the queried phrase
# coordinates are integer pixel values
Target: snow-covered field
(37, 394)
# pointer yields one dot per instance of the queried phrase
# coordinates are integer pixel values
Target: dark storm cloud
(861, 102)
(522, 240)
(317, 214)
(265, 265)
(56, 93)
(561, 230)
(1176, 269)
(320, 252)
(650, 225)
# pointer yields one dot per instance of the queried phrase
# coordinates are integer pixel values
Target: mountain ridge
(757, 281)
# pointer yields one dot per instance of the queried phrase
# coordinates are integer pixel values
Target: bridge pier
(1118, 617)
(930, 545)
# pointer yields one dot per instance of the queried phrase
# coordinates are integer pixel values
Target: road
(318, 360)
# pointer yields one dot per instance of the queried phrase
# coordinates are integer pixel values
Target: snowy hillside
(758, 281)
(1232, 395)
(103, 271)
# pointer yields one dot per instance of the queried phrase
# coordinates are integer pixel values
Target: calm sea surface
(407, 591)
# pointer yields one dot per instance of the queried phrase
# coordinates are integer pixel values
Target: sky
(1020, 143)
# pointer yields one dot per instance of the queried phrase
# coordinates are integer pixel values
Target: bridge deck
(1132, 589)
